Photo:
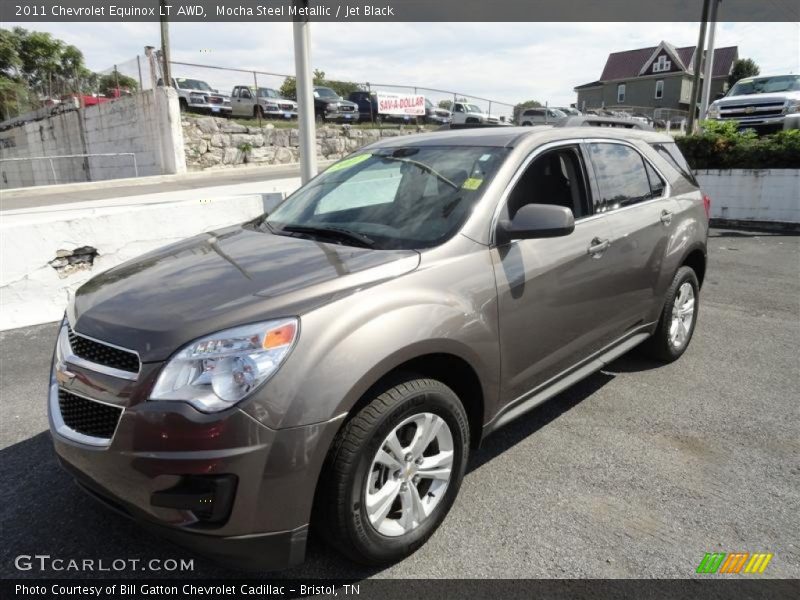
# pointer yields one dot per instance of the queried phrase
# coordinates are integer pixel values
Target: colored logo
(734, 562)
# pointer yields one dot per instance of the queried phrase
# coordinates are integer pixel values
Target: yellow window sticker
(348, 162)
(473, 183)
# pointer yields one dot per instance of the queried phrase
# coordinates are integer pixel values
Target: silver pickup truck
(197, 96)
(761, 103)
(247, 101)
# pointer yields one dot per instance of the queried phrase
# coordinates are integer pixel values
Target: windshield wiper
(336, 233)
(422, 166)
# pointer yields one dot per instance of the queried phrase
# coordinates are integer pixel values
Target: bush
(722, 146)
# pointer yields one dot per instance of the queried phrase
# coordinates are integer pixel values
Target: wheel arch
(696, 259)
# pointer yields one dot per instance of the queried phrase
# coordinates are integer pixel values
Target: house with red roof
(659, 77)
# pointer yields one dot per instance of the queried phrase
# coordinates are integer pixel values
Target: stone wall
(212, 142)
(146, 124)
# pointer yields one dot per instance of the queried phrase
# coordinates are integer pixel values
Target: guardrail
(53, 169)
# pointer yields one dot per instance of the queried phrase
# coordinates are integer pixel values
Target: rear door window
(669, 151)
(621, 176)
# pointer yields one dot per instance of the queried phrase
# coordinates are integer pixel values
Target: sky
(507, 62)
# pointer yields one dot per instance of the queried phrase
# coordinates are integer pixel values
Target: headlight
(332, 106)
(271, 105)
(196, 99)
(217, 371)
(713, 112)
(792, 106)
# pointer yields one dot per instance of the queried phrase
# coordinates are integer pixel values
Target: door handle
(666, 217)
(598, 246)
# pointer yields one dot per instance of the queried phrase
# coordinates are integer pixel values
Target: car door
(246, 102)
(236, 106)
(553, 297)
(635, 198)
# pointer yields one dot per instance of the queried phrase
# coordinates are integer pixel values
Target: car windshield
(473, 108)
(326, 92)
(267, 93)
(766, 85)
(193, 84)
(554, 112)
(409, 198)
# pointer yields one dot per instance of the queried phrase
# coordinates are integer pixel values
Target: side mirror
(534, 221)
(720, 95)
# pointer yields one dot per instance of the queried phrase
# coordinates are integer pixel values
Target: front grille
(87, 416)
(286, 106)
(102, 354)
(214, 100)
(346, 108)
(751, 111)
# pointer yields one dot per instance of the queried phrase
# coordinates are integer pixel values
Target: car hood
(758, 98)
(164, 299)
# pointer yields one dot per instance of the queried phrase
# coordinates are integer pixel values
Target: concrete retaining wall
(771, 195)
(35, 247)
(147, 124)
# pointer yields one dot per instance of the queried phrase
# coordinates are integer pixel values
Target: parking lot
(636, 472)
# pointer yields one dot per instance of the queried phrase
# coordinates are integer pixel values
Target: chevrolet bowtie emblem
(749, 110)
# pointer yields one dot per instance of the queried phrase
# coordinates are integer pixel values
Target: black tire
(340, 510)
(527, 124)
(659, 345)
(183, 104)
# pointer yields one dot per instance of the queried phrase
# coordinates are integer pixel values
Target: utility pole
(305, 96)
(698, 64)
(709, 70)
(166, 70)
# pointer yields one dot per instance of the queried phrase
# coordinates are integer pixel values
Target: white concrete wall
(753, 195)
(147, 124)
(32, 292)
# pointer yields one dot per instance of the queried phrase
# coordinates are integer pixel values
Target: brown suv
(335, 362)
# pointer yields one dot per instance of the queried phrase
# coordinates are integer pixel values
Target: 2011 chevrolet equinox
(335, 361)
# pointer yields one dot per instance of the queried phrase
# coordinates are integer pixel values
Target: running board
(531, 400)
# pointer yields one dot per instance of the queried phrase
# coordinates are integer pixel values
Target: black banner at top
(391, 10)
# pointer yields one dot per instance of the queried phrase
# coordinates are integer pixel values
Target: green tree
(288, 88)
(744, 67)
(107, 84)
(446, 104)
(522, 106)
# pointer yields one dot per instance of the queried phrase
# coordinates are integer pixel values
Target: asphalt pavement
(636, 472)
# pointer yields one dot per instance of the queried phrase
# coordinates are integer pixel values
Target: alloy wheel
(682, 315)
(409, 474)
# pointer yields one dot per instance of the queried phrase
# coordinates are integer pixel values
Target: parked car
(762, 103)
(330, 106)
(541, 116)
(197, 96)
(436, 115)
(466, 112)
(337, 360)
(569, 111)
(246, 101)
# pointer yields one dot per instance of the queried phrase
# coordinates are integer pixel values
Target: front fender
(345, 347)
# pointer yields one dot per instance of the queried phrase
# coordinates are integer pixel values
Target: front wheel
(678, 318)
(394, 471)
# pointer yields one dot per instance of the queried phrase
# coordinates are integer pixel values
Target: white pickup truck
(761, 103)
(465, 112)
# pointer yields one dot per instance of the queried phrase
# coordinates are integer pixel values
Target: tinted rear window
(669, 151)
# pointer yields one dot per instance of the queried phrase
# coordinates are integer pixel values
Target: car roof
(502, 137)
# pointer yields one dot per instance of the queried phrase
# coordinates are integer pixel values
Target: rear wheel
(394, 471)
(678, 318)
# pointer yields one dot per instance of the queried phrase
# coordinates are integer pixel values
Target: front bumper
(347, 117)
(157, 445)
(776, 123)
(279, 113)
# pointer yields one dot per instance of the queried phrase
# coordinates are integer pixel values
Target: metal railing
(52, 166)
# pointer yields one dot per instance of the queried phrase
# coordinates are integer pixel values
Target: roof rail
(594, 121)
(450, 126)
